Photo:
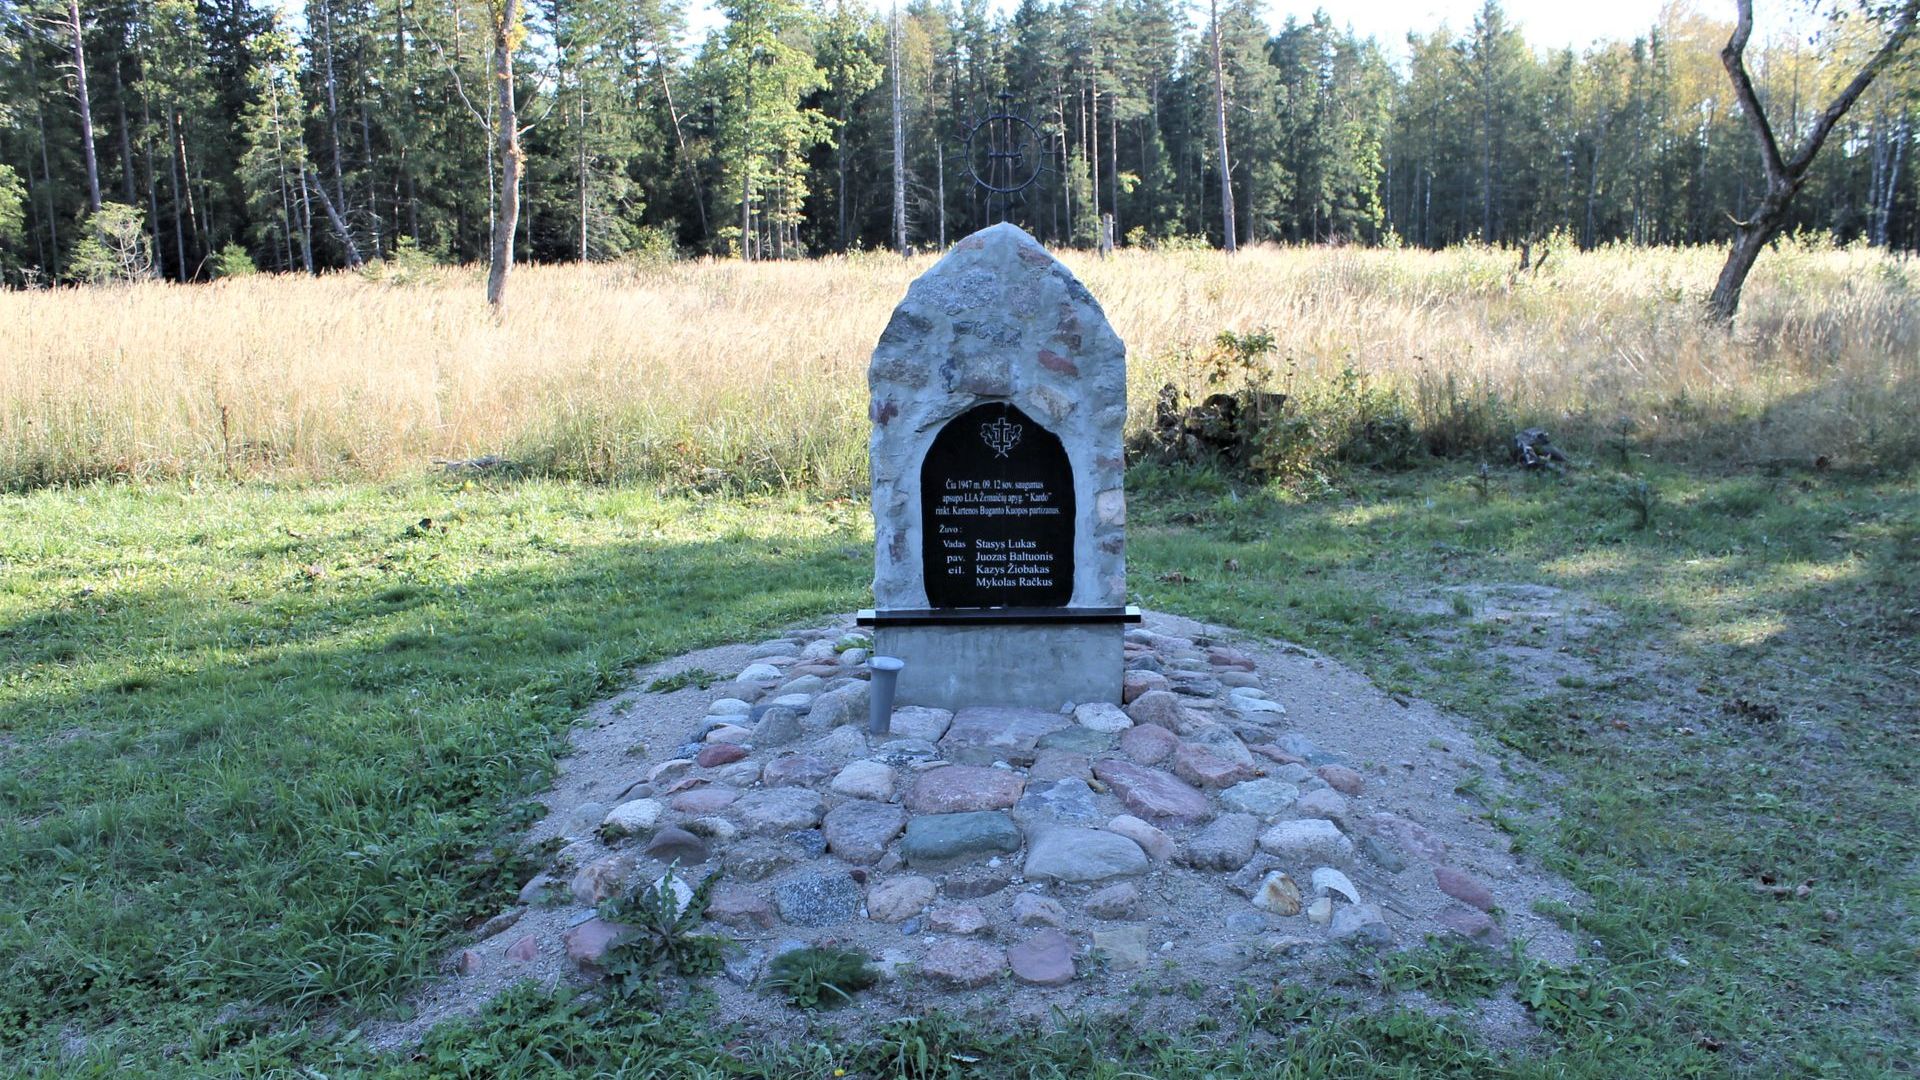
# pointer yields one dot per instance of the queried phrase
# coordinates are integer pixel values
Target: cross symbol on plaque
(1000, 436)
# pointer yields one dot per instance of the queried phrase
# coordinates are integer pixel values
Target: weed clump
(664, 915)
(820, 976)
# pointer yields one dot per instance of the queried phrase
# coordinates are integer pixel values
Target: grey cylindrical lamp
(886, 676)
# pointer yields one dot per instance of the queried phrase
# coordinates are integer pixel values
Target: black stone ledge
(1005, 616)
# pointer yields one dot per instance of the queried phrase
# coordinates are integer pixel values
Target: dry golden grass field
(752, 376)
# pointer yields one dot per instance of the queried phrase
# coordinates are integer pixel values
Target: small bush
(232, 260)
(816, 977)
(115, 249)
(408, 265)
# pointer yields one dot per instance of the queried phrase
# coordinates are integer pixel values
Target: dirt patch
(1331, 773)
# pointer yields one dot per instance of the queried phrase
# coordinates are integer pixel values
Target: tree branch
(1896, 38)
(1734, 59)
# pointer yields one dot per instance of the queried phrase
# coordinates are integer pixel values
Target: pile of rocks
(988, 842)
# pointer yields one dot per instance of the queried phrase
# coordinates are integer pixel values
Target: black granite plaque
(996, 513)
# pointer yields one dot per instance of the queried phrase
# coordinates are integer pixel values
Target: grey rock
(941, 839)
(1077, 740)
(818, 900)
(585, 818)
(1362, 926)
(1323, 803)
(777, 726)
(799, 770)
(1102, 717)
(1054, 765)
(1302, 747)
(864, 779)
(1153, 794)
(974, 883)
(677, 845)
(780, 810)
(846, 705)
(1068, 800)
(743, 966)
(981, 735)
(601, 879)
(1032, 909)
(859, 830)
(1263, 798)
(1308, 841)
(1045, 959)
(842, 745)
(804, 684)
(1382, 855)
(1124, 947)
(1247, 922)
(730, 905)
(1158, 845)
(757, 860)
(899, 898)
(811, 842)
(1114, 901)
(963, 964)
(919, 722)
(1068, 853)
(962, 919)
(1225, 844)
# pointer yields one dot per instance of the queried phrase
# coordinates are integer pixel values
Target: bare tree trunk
(126, 140)
(507, 146)
(179, 191)
(940, 166)
(746, 150)
(693, 178)
(306, 224)
(373, 191)
(899, 139)
(86, 104)
(339, 223)
(1113, 169)
(333, 104)
(1220, 119)
(1093, 148)
(583, 174)
(153, 187)
(1784, 175)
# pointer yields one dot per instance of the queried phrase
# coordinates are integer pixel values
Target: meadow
(750, 377)
(277, 701)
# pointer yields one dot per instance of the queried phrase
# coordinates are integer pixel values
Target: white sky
(1548, 24)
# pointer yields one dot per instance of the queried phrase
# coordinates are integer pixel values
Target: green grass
(264, 751)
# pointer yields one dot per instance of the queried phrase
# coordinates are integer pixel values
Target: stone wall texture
(999, 319)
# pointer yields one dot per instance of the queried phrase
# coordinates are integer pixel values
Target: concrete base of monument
(1027, 666)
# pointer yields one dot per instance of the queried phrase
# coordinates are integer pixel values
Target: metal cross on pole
(1004, 157)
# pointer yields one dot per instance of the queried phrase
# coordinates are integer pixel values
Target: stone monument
(998, 401)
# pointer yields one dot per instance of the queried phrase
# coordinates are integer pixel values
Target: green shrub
(408, 265)
(232, 260)
(820, 976)
(115, 248)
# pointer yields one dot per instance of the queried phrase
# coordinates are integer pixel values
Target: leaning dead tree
(506, 37)
(1785, 174)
